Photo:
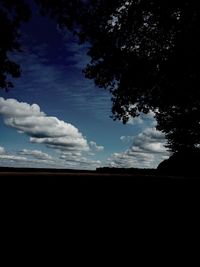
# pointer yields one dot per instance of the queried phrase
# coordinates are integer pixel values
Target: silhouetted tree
(147, 53)
(181, 126)
(12, 14)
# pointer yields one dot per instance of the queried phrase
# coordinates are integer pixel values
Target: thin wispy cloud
(76, 53)
(35, 154)
(126, 139)
(39, 74)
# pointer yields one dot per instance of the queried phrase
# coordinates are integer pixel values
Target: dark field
(134, 186)
(76, 192)
(91, 177)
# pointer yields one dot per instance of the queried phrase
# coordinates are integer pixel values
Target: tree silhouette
(12, 14)
(147, 54)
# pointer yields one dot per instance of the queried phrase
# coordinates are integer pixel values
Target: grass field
(60, 191)
(64, 178)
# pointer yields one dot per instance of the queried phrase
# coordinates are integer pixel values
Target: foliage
(146, 52)
(12, 14)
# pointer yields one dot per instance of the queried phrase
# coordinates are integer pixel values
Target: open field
(64, 178)
(79, 191)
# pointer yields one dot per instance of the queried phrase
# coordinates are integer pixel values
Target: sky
(56, 118)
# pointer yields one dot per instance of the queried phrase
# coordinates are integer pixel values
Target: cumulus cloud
(95, 147)
(128, 159)
(143, 119)
(150, 140)
(69, 143)
(43, 129)
(8, 107)
(49, 131)
(2, 150)
(147, 150)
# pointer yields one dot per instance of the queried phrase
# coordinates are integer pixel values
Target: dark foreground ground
(121, 189)
(48, 177)
(100, 184)
(98, 196)
(111, 212)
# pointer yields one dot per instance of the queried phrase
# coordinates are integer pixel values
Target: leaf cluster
(12, 15)
(145, 52)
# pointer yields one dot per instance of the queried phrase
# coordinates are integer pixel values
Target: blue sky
(55, 117)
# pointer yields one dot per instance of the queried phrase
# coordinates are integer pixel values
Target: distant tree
(12, 14)
(147, 53)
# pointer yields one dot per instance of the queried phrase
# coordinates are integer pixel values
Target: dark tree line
(145, 52)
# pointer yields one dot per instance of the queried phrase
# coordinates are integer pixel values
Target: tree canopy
(146, 52)
(12, 15)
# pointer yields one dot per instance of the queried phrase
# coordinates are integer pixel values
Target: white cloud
(136, 120)
(35, 154)
(143, 119)
(4, 156)
(12, 157)
(13, 160)
(29, 158)
(128, 159)
(147, 150)
(43, 129)
(68, 143)
(79, 162)
(150, 140)
(2, 150)
(95, 147)
(49, 131)
(126, 139)
(8, 107)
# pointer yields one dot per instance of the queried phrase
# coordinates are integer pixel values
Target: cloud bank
(147, 151)
(35, 154)
(49, 131)
(26, 158)
(42, 129)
